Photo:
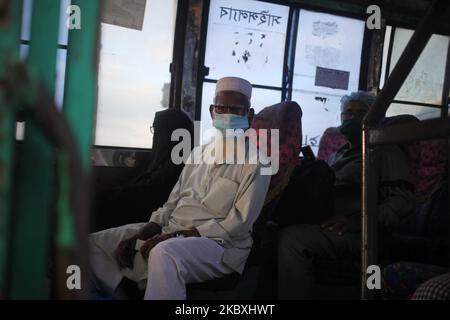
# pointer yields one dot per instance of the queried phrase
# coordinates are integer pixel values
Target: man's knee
(168, 249)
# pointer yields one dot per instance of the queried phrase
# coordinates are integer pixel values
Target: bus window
(134, 73)
(421, 94)
(327, 66)
(243, 43)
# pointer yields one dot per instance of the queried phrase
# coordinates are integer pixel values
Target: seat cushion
(429, 165)
(332, 140)
(428, 159)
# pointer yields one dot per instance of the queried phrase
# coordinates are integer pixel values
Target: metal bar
(369, 218)
(121, 148)
(375, 59)
(257, 86)
(201, 69)
(406, 62)
(421, 130)
(446, 86)
(80, 93)
(389, 54)
(444, 115)
(286, 64)
(177, 64)
(80, 100)
(10, 22)
(35, 176)
(293, 48)
(421, 104)
(27, 42)
(448, 191)
(365, 59)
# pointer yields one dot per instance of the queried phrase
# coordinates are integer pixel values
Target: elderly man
(203, 231)
(338, 240)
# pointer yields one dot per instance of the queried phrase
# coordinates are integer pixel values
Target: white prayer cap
(234, 84)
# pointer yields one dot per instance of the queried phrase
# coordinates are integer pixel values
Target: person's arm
(124, 252)
(243, 214)
(395, 190)
(162, 215)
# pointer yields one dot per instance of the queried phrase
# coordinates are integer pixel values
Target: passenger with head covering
(307, 251)
(203, 231)
(134, 202)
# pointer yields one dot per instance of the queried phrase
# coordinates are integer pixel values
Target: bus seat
(428, 160)
(330, 142)
(428, 157)
(429, 165)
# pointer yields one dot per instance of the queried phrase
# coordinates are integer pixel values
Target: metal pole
(177, 66)
(369, 216)
(393, 84)
(80, 101)
(10, 22)
(446, 88)
(33, 201)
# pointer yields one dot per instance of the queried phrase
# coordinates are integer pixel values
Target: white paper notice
(246, 39)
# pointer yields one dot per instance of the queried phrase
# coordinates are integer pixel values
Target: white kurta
(221, 200)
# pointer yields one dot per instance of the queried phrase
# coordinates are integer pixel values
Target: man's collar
(210, 155)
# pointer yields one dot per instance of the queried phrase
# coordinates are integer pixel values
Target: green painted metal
(80, 98)
(36, 170)
(9, 54)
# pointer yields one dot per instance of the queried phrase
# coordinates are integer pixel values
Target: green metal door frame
(33, 203)
(9, 55)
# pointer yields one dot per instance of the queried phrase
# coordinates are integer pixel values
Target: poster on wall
(247, 39)
(331, 78)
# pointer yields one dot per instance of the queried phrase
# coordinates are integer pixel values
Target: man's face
(354, 109)
(232, 102)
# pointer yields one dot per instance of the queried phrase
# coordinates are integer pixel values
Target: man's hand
(150, 244)
(124, 253)
(343, 224)
(148, 231)
(190, 233)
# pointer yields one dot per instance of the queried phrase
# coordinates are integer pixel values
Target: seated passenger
(338, 240)
(135, 201)
(203, 231)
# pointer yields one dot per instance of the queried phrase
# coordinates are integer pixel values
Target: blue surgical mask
(224, 121)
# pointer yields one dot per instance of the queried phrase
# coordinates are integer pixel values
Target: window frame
(446, 81)
(286, 87)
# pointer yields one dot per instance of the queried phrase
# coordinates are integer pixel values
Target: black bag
(308, 197)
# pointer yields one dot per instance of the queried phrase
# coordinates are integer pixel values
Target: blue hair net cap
(364, 97)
